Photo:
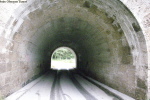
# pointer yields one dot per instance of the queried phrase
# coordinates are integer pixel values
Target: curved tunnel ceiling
(58, 18)
(77, 22)
(104, 34)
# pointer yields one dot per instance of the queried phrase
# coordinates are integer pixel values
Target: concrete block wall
(18, 68)
(141, 10)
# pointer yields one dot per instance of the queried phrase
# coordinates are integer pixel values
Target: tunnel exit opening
(63, 58)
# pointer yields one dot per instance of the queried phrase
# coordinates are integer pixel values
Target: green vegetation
(63, 58)
(63, 53)
(1, 98)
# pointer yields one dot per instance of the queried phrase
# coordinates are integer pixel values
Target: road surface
(64, 85)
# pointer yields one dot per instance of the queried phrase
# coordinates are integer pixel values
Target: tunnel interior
(105, 36)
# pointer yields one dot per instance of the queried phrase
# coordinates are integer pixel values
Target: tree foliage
(63, 53)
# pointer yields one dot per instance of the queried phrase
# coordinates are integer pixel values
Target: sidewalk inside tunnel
(66, 85)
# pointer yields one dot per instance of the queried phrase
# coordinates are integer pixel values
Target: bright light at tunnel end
(63, 68)
(63, 58)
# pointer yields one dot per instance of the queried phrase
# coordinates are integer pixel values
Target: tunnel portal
(106, 37)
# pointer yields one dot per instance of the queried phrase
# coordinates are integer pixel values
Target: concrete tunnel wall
(106, 37)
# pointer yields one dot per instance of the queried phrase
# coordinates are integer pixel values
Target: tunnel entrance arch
(63, 58)
(129, 43)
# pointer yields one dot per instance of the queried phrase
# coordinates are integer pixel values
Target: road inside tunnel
(65, 85)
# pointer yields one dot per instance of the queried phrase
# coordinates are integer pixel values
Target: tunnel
(109, 41)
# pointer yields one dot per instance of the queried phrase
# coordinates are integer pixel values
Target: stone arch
(106, 18)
